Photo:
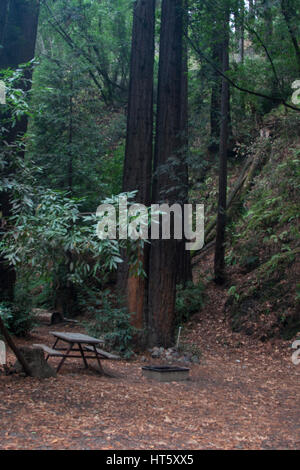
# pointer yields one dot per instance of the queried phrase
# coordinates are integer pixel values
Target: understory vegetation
(265, 241)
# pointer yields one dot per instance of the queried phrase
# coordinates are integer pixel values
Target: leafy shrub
(17, 319)
(189, 300)
(234, 293)
(49, 234)
(110, 322)
(17, 316)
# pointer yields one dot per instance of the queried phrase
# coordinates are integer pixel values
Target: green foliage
(17, 317)
(278, 263)
(233, 292)
(98, 33)
(265, 240)
(6, 313)
(75, 139)
(269, 223)
(16, 105)
(48, 234)
(189, 300)
(109, 321)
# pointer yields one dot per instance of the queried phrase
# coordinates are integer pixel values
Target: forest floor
(242, 395)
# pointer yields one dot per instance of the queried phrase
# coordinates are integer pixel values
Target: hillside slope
(263, 242)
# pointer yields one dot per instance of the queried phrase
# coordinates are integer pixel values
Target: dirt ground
(238, 397)
(242, 395)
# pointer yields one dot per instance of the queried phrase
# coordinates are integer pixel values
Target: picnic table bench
(49, 351)
(103, 354)
(86, 345)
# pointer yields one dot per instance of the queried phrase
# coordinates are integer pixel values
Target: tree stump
(37, 363)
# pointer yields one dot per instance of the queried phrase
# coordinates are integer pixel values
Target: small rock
(143, 359)
(156, 354)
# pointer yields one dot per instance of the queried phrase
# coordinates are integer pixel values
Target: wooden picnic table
(86, 345)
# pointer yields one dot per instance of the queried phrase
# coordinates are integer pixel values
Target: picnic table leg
(65, 357)
(53, 347)
(98, 359)
(83, 356)
(55, 343)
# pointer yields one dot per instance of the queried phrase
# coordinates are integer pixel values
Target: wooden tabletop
(76, 338)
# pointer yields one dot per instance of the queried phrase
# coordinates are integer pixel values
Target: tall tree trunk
(268, 42)
(268, 19)
(219, 265)
(168, 146)
(184, 270)
(139, 141)
(3, 15)
(241, 31)
(70, 139)
(215, 104)
(18, 30)
(239, 16)
(65, 290)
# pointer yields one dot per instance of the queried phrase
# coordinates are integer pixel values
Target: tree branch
(231, 82)
(67, 38)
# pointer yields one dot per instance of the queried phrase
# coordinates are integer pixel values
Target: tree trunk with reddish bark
(168, 147)
(184, 270)
(139, 142)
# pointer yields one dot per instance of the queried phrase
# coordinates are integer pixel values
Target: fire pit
(166, 373)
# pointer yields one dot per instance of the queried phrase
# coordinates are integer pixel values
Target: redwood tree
(139, 141)
(184, 267)
(215, 105)
(168, 150)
